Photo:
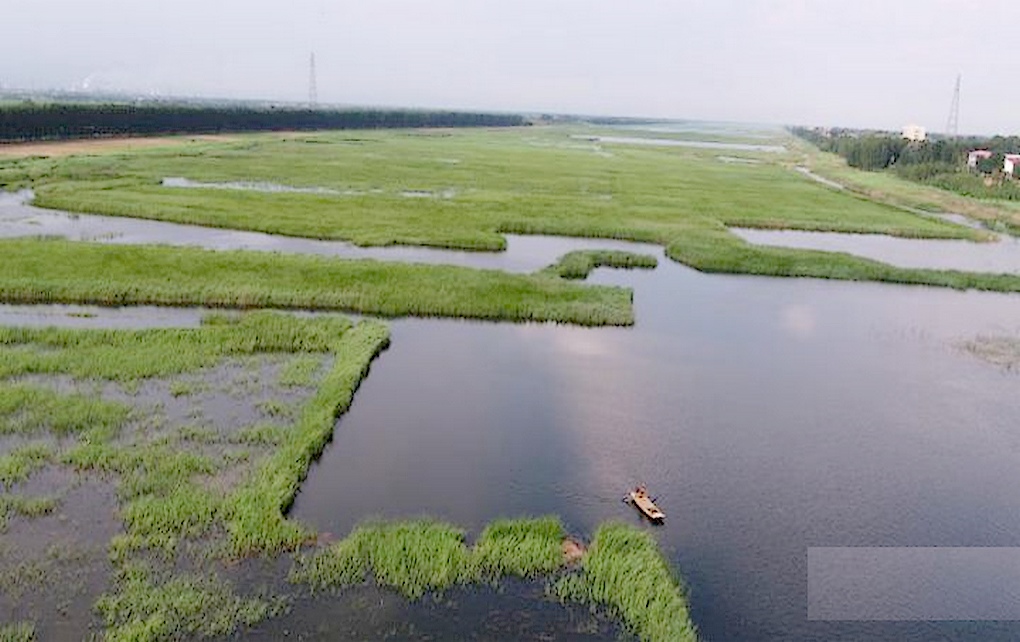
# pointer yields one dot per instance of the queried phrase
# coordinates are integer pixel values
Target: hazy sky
(880, 63)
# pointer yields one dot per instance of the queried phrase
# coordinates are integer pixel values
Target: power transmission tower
(953, 124)
(313, 90)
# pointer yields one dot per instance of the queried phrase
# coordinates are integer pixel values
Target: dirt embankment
(100, 145)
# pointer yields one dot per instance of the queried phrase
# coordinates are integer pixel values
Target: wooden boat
(641, 500)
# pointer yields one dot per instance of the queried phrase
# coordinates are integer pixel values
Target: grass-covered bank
(721, 251)
(581, 263)
(68, 272)
(623, 571)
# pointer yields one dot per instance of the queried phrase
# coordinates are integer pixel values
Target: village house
(1010, 163)
(976, 156)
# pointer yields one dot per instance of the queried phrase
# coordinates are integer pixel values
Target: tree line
(940, 162)
(876, 151)
(31, 121)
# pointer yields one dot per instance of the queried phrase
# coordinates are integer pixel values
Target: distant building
(1011, 162)
(915, 133)
(977, 155)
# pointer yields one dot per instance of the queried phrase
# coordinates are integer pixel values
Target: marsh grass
(153, 607)
(419, 556)
(625, 572)
(301, 370)
(257, 521)
(17, 632)
(17, 465)
(579, 264)
(25, 507)
(32, 409)
(73, 272)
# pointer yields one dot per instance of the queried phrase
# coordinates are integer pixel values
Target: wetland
(234, 480)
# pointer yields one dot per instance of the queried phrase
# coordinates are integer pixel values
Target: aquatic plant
(17, 632)
(148, 606)
(418, 556)
(21, 462)
(30, 409)
(579, 264)
(625, 572)
(622, 571)
(70, 272)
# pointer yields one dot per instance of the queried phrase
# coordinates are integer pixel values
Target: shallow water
(673, 142)
(1001, 256)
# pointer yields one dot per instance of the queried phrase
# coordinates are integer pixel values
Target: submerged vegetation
(623, 571)
(176, 501)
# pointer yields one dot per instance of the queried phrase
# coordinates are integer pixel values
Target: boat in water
(641, 500)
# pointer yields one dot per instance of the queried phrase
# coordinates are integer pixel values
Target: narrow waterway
(19, 219)
(999, 256)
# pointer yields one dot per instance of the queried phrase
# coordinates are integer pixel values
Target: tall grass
(580, 263)
(625, 572)
(256, 511)
(418, 556)
(68, 272)
(520, 547)
(17, 632)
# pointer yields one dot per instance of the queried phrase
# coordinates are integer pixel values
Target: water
(524, 253)
(674, 142)
(1001, 256)
(769, 415)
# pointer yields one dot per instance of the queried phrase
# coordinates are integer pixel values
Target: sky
(854, 63)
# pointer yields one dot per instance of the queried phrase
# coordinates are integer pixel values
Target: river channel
(770, 416)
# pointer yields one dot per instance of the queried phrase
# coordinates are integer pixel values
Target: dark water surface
(770, 415)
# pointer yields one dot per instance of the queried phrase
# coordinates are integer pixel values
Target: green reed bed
(256, 515)
(17, 632)
(579, 264)
(69, 272)
(625, 572)
(720, 251)
(418, 556)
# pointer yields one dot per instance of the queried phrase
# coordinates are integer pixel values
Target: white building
(915, 133)
(977, 155)
(1011, 162)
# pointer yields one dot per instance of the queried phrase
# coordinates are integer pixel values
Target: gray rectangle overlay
(913, 583)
